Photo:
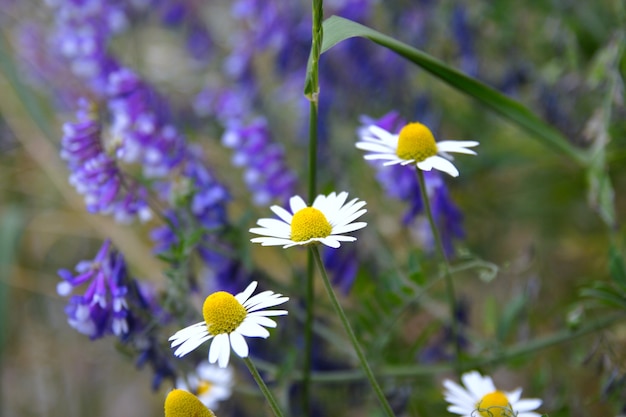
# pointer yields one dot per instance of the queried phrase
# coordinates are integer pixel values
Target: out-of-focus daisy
(181, 403)
(210, 383)
(227, 320)
(480, 398)
(414, 144)
(325, 222)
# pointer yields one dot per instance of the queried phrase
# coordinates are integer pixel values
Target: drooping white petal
(263, 321)
(250, 329)
(183, 334)
(239, 345)
(191, 344)
(440, 164)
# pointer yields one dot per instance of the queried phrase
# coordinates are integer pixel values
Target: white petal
(330, 241)
(375, 156)
(191, 344)
(296, 203)
(349, 228)
(514, 395)
(258, 298)
(262, 321)
(250, 329)
(220, 350)
(243, 296)
(281, 234)
(457, 146)
(457, 394)
(268, 313)
(396, 161)
(528, 404)
(272, 241)
(478, 385)
(239, 344)
(274, 224)
(282, 213)
(187, 332)
(439, 163)
(375, 147)
(461, 410)
(270, 302)
(387, 137)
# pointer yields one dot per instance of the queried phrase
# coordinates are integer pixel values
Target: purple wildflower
(464, 38)
(266, 175)
(96, 175)
(139, 120)
(342, 265)
(103, 308)
(83, 31)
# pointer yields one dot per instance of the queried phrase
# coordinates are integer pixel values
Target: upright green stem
(346, 324)
(313, 96)
(266, 391)
(447, 275)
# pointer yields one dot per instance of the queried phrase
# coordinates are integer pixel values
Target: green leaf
(605, 294)
(617, 268)
(337, 29)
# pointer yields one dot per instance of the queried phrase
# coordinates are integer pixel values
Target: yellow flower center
(222, 313)
(180, 403)
(494, 404)
(416, 142)
(309, 223)
(203, 387)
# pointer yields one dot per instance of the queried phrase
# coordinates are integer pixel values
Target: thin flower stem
(264, 389)
(447, 275)
(350, 332)
(316, 45)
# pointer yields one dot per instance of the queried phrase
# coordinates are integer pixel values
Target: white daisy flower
(414, 144)
(227, 320)
(325, 221)
(210, 383)
(480, 398)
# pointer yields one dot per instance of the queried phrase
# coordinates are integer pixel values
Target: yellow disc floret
(494, 404)
(222, 313)
(416, 142)
(309, 223)
(203, 387)
(180, 403)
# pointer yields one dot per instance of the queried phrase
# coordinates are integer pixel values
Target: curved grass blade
(337, 29)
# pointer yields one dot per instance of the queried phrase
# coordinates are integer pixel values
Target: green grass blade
(337, 29)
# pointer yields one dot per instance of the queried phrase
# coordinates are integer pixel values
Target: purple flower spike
(96, 175)
(267, 176)
(103, 307)
(139, 122)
